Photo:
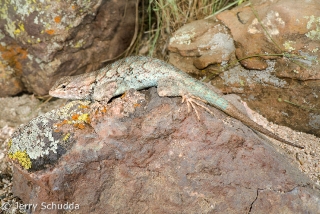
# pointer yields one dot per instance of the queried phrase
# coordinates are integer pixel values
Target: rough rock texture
(146, 154)
(201, 43)
(282, 87)
(21, 109)
(42, 40)
(289, 27)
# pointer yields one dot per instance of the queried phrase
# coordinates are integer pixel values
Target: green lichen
(265, 77)
(10, 27)
(22, 158)
(4, 11)
(79, 43)
(313, 23)
(288, 45)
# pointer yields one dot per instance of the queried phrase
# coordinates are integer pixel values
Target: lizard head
(74, 87)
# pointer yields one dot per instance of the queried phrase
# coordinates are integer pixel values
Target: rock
(142, 153)
(204, 42)
(10, 83)
(286, 27)
(277, 76)
(42, 41)
(21, 109)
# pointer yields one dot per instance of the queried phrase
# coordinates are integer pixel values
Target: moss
(22, 158)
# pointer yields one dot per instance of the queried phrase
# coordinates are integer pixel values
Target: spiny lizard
(141, 72)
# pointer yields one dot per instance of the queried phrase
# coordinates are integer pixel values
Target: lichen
(47, 15)
(66, 137)
(248, 77)
(41, 137)
(22, 158)
(314, 24)
(84, 117)
(271, 22)
(288, 45)
(13, 55)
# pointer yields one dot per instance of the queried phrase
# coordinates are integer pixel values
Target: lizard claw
(191, 101)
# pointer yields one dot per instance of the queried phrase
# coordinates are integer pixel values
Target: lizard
(140, 72)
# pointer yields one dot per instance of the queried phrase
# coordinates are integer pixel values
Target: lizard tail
(234, 112)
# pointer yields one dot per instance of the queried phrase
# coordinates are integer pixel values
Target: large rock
(146, 154)
(276, 43)
(267, 29)
(41, 41)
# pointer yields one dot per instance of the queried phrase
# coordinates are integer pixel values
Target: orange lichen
(136, 105)
(104, 110)
(83, 106)
(57, 19)
(79, 125)
(75, 116)
(50, 32)
(13, 54)
(58, 125)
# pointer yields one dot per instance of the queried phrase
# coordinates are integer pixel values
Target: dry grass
(160, 18)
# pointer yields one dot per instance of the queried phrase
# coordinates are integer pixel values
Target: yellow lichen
(21, 26)
(84, 117)
(22, 158)
(17, 31)
(66, 137)
(79, 43)
(9, 143)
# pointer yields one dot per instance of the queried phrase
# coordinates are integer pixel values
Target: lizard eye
(63, 86)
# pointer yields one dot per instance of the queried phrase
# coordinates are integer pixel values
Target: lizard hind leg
(192, 101)
(172, 87)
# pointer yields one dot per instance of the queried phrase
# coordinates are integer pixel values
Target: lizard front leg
(101, 95)
(104, 92)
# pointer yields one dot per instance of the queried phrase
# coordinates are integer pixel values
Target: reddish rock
(201, 43)
(271, 28)
(10, 84)
(42, 41)
(150, 155)
(278, 54)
